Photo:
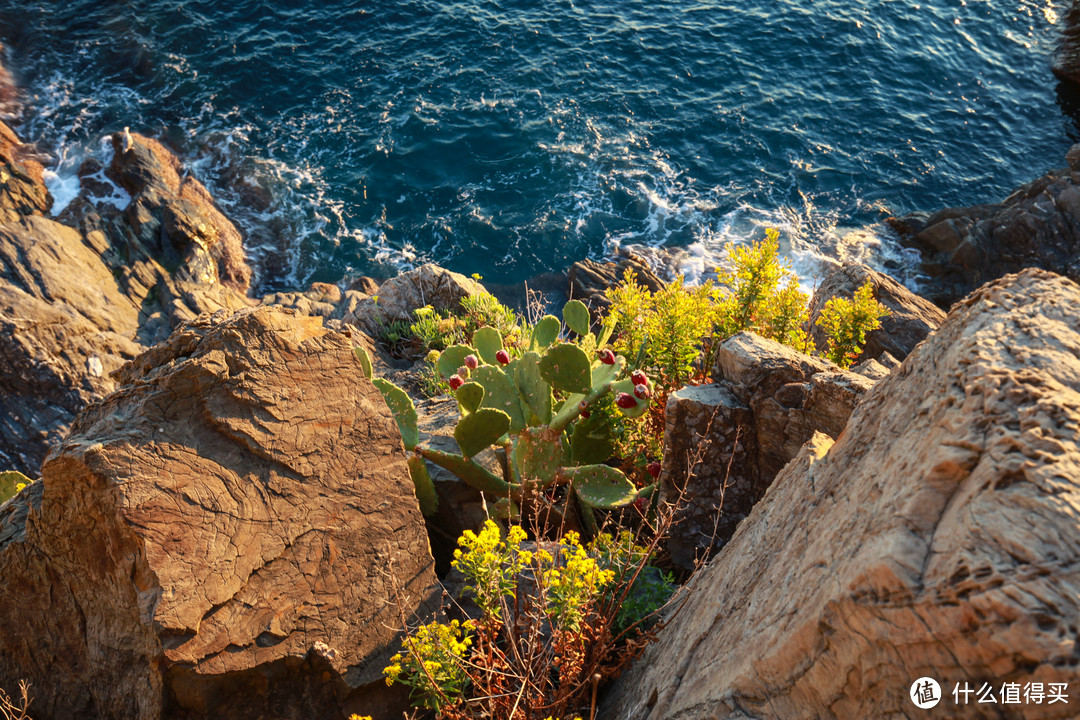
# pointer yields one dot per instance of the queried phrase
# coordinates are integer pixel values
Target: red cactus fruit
(638, 377)
(455, 382)
(653, 468)
(607, 357)
(626, 401)
(585, 414)
(503, 357)
(471, 362)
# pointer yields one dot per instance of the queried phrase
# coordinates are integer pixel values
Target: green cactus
(576, 317)
(488, 341)
(531, 409)
(469, 397)
(545, 332)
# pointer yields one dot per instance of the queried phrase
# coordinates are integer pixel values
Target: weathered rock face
(401, 294)
(66, 327)
(938, 537)
(910, 319)
(724, 443)
(22, 187)
(590, 279)
(241, 498)
(1038, 225)
(1066, 61)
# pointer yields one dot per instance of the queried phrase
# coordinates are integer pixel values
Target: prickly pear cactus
(532, 408)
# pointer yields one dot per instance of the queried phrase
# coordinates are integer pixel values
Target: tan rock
(241, 498)
(937, 537)
(66, 327)
(174, 218)
(22, 186)
(791, 395)
(400, 295)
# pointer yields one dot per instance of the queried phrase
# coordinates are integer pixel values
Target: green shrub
(846, 323)
(763, 295)
(661, 331)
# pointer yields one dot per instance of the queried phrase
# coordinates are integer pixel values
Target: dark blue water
(510, 137)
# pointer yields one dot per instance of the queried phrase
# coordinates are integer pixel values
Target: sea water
(513, 137)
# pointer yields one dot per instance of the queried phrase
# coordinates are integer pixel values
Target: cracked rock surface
(937, 537)
(242, 497)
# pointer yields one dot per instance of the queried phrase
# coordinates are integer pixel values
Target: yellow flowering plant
(550, 628)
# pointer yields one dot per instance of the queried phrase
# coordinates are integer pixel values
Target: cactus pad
(601, 486)
(402, 408)
(452, 358)
(576, 317)
(534, 390)
(506, 509)
(538, 456)
(546, 331)
(469, 397)
(477, 431)
(488, 341)
(603, 374)
(365, 360)
(566, 367)
(425, 489)
(500, 394)
(591, 441)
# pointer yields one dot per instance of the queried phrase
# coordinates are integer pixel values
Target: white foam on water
(63, 188)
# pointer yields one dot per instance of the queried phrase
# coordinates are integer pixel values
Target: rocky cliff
(937, 537)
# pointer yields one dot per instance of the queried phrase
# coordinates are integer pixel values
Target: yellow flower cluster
(576, 584)
(490, 564)
(433, 661)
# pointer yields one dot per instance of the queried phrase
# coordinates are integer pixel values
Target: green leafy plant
(846, 323)
(762, 295)
(661, 331)
(531, 408)
(555, 620)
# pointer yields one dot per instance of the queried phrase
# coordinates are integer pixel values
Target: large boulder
(1066, 59)
(66, 326)
(937, 537)
(791, 395)
(428, 284)
(911, 318)
(710, 471)
(232, 533)
(724, 443)
(1038, 225)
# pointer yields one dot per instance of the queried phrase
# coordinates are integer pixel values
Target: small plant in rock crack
(532, 405)
(556, 619)
(846, 323)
